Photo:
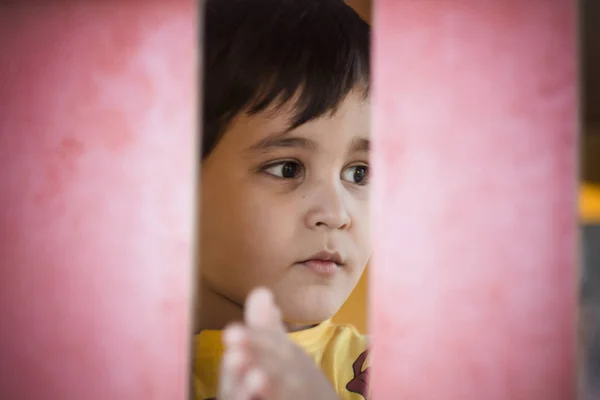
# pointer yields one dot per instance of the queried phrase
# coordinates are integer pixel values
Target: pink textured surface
(97, 161)
(473, 282)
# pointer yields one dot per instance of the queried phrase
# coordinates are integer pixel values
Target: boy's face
(273, 201)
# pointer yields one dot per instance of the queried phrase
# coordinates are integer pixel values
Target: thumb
(261, 312)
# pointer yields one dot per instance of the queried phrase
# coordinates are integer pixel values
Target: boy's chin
(307, 317)
(309, 305)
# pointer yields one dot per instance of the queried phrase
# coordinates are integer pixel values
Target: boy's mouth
(324, 263)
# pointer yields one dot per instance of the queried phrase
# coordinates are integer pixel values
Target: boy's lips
(324, 263)
(326, 256)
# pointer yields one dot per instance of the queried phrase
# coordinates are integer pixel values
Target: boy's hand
(260, 362)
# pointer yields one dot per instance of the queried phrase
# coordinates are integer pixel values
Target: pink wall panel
(97, 161)
(473, 290)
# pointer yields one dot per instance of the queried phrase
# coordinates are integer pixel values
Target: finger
(261, 313)
(234, 366)
(269, 379)
(257, 308)
(235, 335)
(236, 361)
(230, 376)
(256, 384)
(284, 367)
(270, 351)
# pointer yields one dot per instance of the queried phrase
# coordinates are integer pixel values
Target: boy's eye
(285, 170)
(358, 174)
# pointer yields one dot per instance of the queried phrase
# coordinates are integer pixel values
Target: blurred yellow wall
(589, 203)
(354, 311)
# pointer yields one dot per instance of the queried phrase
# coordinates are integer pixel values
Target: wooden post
(473, 283)
(97, 164)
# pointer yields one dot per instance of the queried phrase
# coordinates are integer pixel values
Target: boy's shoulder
(346, 361)
(349, 344)
(348, 334)
(331, 337)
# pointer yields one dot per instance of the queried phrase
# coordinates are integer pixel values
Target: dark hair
(263, 53)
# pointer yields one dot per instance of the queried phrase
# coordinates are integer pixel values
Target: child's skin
(269, 202)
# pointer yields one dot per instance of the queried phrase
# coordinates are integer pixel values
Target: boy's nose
(328, 210)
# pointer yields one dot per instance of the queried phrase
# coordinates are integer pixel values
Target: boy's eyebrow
(360, 144)
(282, 139)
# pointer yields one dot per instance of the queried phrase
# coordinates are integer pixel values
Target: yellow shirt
(339, 350)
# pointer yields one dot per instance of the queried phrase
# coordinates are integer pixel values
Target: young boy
(284, 200)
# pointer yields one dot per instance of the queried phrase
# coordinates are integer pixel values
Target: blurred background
(590, 196)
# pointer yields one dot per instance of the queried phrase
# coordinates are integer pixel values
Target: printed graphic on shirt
(358, 384)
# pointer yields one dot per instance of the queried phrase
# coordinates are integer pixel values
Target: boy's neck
(214, 311)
